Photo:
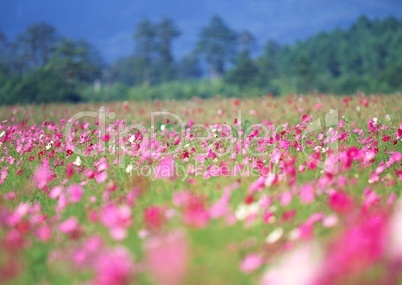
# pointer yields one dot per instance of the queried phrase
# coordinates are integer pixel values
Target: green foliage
(392, 77)
(245, 72)
(40, 67)
(41, 86)
(36, 44)
(177, 90)
(76, 61)
(217, 44)
(154, 61)
(115, 92)
(166, 32)
(348, 60)
(189, 68)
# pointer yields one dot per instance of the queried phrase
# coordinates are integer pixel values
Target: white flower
(2, 134)
(243, 211)
(274, 236)
(163, 127)
(49, 145)
(302, 265)
(252, 112)
(129, 168)
(131, 139)
(269, 179)
(77, 161)
(294, 234)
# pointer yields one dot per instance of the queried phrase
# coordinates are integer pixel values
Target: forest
(40, 65)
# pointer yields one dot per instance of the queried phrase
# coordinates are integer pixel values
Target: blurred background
(98, 50)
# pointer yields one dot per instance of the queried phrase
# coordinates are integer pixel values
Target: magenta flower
(165, 169)
(154, 217)
(340, 202)
(114, 268)
(167, 258)
(43, 176)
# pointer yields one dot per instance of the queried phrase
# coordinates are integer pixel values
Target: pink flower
(75, 192)
(114, 268)
(195, 213)
(165, 169)
(257, 185)
(318, 106)
(286, 198)
(68, 226)
(117, 219)
(167, 258)
(361, 246)
(220, 208)
(154, 217)
(340, 202)
(55, 192)
(88, 252)
(3, 174)
(102, 165)
(69, 170)
(43, 176)
(101, 177)
(251, 263)
(44, 233)
(307, 194)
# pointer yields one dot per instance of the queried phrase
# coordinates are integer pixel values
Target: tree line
(40, 65)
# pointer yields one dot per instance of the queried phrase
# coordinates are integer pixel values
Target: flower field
(303, 189)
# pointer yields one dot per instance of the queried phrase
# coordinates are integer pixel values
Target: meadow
(297, 189)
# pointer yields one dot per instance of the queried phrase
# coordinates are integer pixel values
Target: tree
(3, 43)
(218, 45)
(392, 76)
(245, 72)
(268, 62)
(124, 70)
(166, 32)
(36, 44)
(304, 73)
(145, 37)
(189, 67)
(77, 61)
(3, 53)
(247, 41)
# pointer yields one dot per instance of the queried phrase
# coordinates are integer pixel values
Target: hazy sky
(110, 24)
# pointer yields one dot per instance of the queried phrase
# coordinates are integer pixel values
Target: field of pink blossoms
(290, 190)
